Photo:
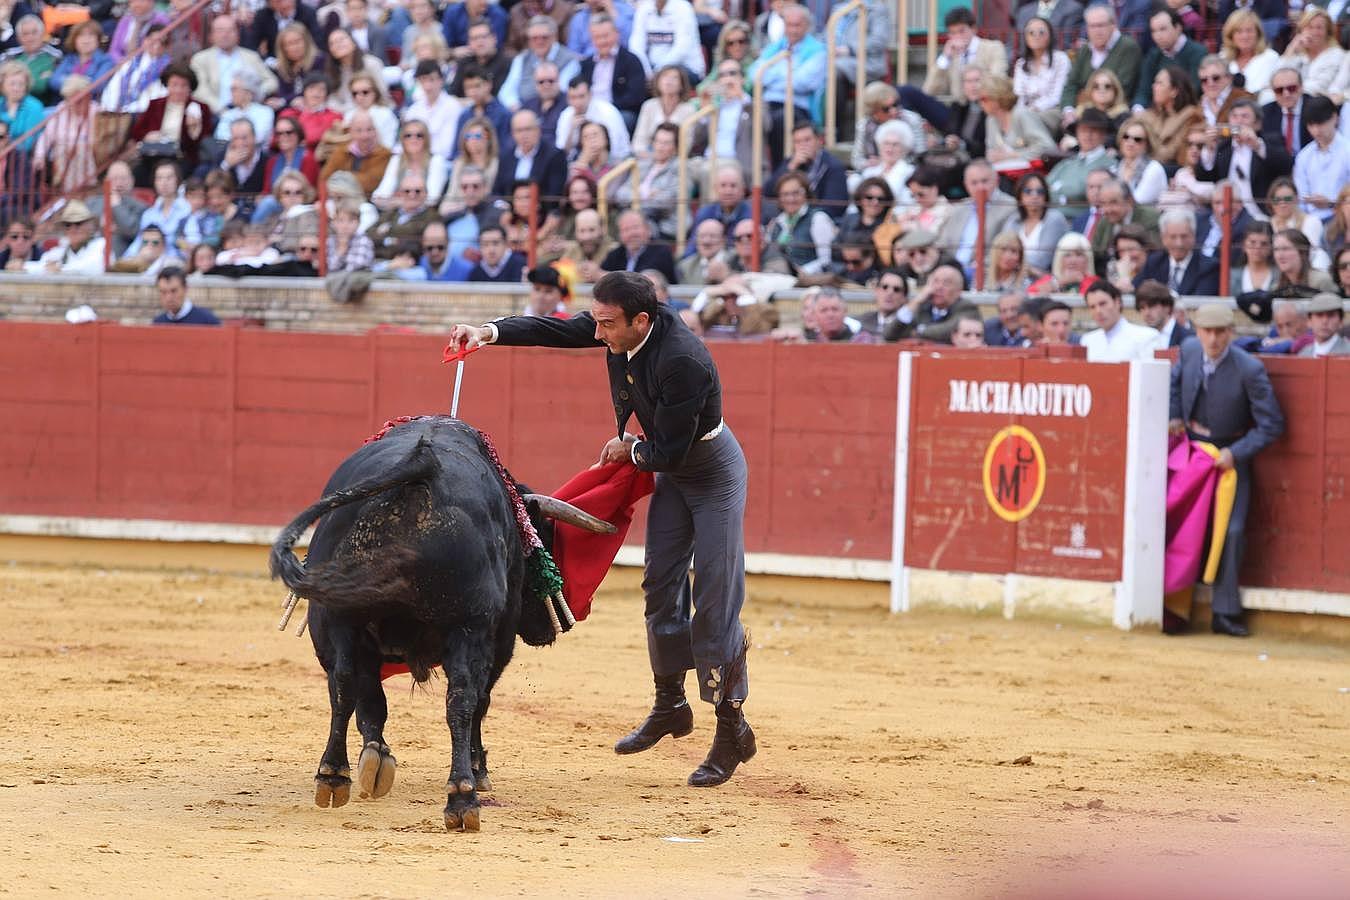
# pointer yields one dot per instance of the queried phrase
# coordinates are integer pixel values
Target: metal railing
(832, 76)
(682, 191)
(628, 167)
(757, 151)
(24, 191)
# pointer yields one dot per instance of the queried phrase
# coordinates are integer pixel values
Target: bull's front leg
(466, 667)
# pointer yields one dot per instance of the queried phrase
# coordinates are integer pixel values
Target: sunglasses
(874, 198)
(19, 236)
(474, 135)
(412, 191)
(471, 186)
(1286, 88)
(1211, 79)
(433, 248)
(1033, 191)
(852, 261)
(737, 42)
(414, 135)
(1284, 198)
(1137, 138)
(1104, 86)
(362, 92)
(1343, 264)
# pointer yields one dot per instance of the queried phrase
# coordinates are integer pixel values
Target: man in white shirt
(437, 109)
(1115, 339)
(665, 32)
(582, 108)
(1322, 168)
(80, 251)
(1326, 314)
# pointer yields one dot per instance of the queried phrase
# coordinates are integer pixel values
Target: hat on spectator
(248, 80)
(547, 276)
(75, 213)
(1258, 305)
(73, 85)
(1325, 303)
(1093, 117)
(427, 67)
(1213, 315)
(917, 239)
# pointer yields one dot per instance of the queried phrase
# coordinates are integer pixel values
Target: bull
(418, 559)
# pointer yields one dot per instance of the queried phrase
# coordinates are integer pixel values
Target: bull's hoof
(461, 808)
(483, 784)
(332, 790)
(375, 770)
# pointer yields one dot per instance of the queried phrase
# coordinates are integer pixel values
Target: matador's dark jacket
(671, 385)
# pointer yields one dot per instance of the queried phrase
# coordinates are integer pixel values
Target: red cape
(608, 492)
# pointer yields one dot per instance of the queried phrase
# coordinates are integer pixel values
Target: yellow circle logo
(1014, 473)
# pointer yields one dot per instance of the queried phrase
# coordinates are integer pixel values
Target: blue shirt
(453, 270)
(498, 115)
(579, 28)
(455, 24)
(1325, 172)
(808, 71)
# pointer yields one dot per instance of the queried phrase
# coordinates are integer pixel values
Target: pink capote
(1191, 482)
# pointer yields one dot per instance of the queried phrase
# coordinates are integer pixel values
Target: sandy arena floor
(161, 737)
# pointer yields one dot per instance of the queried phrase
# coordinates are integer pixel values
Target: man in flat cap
(1222, 395)
(1326, 314)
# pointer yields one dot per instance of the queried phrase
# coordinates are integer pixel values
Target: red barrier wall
(242, 426)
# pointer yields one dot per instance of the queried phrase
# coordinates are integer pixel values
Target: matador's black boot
(733, 744)
(670, 715)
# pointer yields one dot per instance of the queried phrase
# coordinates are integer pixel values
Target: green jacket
(1122, 59)
(1189, 59)
(1068, 182)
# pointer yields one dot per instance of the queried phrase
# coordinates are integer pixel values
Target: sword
(456, 355)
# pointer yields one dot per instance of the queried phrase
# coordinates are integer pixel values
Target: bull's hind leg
(376, 766)
(477, 752)
(467, 668)
(335, 644)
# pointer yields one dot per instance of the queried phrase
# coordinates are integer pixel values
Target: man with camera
(1235, 151)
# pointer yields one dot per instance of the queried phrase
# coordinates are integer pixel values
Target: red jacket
(309, 167)
(313, 124)
(153, 118)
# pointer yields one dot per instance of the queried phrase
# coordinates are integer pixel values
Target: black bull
(417, 558)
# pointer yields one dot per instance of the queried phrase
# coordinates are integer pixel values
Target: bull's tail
(343, 585)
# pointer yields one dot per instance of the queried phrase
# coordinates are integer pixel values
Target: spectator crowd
(1102, 151)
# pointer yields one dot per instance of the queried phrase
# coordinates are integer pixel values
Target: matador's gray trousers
(699, 512)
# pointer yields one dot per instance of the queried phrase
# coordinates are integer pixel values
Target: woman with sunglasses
(477, 147)
(873, 201)
(1337, 234)
(1037, 226)
(1173, 113)
(289, 153)
(733, 43)
(296, 216)
(1136, 167)
(1257, 273)
(345, 62)
(1297, 277)
(1104, 92)
(297, 57)
(1040, 72)
(413, 154)
(1286, 212)
(368, 96)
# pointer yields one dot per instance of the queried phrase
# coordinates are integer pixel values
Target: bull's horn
(563, 511)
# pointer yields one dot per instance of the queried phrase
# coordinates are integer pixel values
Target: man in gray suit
(932, 313)
(660, 372)
(1222, 395)
(1326, 314)
(958, 235)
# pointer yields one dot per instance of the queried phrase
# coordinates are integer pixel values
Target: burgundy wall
(243, 426)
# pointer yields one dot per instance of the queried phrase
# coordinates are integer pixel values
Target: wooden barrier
(244, 426)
